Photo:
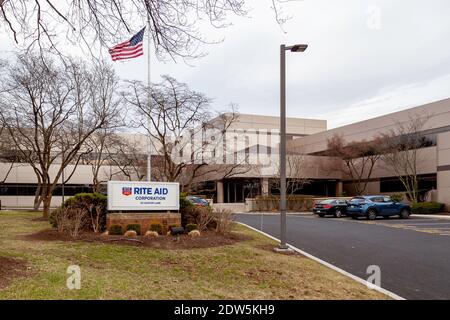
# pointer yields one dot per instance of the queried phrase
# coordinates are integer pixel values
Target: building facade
(251, 144)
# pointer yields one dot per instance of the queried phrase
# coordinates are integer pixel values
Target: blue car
(373, 206)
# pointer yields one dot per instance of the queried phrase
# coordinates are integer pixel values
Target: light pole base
(283, 249)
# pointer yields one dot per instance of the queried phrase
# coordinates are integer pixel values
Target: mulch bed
(11, 268)
(207, 239)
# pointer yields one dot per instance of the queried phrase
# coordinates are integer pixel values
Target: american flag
(129, 49)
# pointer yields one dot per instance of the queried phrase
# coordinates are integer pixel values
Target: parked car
(335, 207)
(373, 206)
(197, 201)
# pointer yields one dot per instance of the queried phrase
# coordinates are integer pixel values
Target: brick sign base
(145, 220)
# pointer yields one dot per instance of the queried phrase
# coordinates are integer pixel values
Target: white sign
(139, 195)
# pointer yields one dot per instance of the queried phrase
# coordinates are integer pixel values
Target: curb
(433, 216)
(331, 266)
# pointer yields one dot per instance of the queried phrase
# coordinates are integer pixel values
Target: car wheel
(321, 215)
(404, 214)
(337, 213)
(371, 214)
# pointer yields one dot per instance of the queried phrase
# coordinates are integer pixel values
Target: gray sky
(366, 58)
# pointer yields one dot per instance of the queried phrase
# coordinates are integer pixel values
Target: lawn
(244, 270)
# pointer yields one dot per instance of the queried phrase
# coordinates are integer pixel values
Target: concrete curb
(331, 266)
(433, 216)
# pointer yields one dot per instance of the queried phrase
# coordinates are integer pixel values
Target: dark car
(373, 206)
(335, 207)
(197, 201)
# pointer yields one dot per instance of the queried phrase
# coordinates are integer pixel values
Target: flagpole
(149, 156)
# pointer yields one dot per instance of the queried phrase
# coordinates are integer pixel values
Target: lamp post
(283, 49)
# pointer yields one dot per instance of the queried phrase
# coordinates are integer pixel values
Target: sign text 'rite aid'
(133, 195)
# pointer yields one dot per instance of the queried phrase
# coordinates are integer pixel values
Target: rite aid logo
(127, 191)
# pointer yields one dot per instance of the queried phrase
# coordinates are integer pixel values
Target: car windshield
(358, 200)
(328, 201)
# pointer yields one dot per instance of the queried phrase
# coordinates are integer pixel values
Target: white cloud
(350, 72)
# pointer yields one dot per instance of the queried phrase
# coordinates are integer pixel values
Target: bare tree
(50, 111)
(359, 159)
(7, 154)
(296, 172)
(184, 132)
(127, 158)
(402, 151)
(97, 156)
(173, 24)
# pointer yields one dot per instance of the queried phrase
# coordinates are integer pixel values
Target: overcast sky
(365, 58)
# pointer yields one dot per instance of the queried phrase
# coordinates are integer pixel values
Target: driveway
(413, 254)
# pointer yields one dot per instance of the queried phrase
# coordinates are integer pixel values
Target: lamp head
(299, 48)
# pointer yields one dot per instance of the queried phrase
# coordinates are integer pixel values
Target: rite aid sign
(137, 195)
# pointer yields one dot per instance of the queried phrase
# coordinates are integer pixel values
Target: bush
(134, 227)
(115, 230)
(184, 203)
(294, 203)
(190, 227)
(156, 227)
(427, 207)
(224, 220)
(72, 220)
(93, 206)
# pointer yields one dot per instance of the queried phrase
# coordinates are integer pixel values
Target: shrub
(203, 217)
(190, 227)
(294, 203)
(135, 227)
(71, 219)
(184, 203)
(427, 207)
(115, 230)
(156, 227)
(93, 206)
(224, 220)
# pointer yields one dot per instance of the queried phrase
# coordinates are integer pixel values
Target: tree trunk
(46, 201)
(37, 198)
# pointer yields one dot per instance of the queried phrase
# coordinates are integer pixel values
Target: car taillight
(327, 206)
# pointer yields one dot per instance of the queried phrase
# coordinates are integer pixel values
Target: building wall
(443, 168)
(439, 113)
(293, 125)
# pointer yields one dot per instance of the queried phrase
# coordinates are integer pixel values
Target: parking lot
(413, 254)
(434, 226)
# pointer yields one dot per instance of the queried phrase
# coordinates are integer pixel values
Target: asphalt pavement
(413, 254)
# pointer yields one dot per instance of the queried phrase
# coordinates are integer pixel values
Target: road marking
(329, 265)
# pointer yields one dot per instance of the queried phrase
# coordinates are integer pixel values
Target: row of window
(9, 189)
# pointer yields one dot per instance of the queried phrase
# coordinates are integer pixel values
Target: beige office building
(253, 141)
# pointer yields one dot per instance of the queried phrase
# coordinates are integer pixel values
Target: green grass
(245, 270)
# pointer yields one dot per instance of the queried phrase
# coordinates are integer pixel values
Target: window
(377, 199)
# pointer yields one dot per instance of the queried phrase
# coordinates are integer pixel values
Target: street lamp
(283, 49)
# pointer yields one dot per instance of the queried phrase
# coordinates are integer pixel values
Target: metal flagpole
(149, 157)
